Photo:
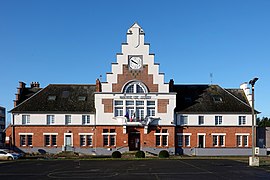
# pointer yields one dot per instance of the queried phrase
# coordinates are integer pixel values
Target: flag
(133, 117)
(127, 115)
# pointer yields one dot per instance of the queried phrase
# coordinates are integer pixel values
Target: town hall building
(135, 109)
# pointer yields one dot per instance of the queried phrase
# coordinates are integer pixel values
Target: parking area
(130, 169)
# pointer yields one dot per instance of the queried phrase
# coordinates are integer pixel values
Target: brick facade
(230, 137)
(162, 105)
(129, 75)
(108, 105)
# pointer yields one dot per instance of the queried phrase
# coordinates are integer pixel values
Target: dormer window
(51, 98)
(217, 98)
(82, 98)
(135, 87)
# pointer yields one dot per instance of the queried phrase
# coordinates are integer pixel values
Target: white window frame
(134, 85)
(200, 120)
(161, 134)
(25, 119)
(108, 135)
(242, 120)
(26, 139)
(241, 138)
(218, 120)
(50, 119)
(68, 119)
(86, 119)
(85, 136)
(182, 120)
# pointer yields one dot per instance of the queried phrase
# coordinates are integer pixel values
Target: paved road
(126, 169)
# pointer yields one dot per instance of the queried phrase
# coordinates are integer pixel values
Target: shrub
(140, 154)
(116, 154)
(163, 154)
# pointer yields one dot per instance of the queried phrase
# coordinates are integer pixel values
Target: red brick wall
(108, 105)
(146, 140)
(128, 75)
(162, 105)
(230, 138)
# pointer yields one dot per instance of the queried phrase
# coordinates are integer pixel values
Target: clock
(135, 62)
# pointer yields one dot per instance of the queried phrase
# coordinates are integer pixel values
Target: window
(54, 140)
(183, 138)
(201, 120)
(218, 120)
(183, 120)
(187, 140)
(85, 119)
(25, 119)
(242, 120)
(118, 108)
(51, 98)
(67, 119)
(218, 140)
(22, 140)
(151, 108)
(50, 140)
(86, 140)
(242, 140)
(26, 140)
(82, 98)
(47, 140)
(162, 138)
(180, 140)
(109, 137)
(50, 119)
(217, 98)
(135, 87)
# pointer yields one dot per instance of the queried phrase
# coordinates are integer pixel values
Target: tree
(263, 122)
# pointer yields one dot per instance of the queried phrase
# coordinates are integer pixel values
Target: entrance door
(201, 141)
(134, 141)
(68, 141)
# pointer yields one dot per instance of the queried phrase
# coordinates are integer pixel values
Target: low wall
(219, 151)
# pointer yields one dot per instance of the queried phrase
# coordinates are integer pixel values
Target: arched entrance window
(135, 87)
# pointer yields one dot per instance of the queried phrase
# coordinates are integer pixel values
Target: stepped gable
(210, 99)
(60, 98)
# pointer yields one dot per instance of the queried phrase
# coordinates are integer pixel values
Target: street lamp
(252, 160)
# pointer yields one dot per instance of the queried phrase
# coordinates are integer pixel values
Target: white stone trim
(184, 134)
(203, 134)
(161, 134)
(109, 133)
(26, 133)
(50, 133)
(242, 134)
(218, 134)
(85, 134)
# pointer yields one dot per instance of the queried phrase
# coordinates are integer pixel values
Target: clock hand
(134, 62)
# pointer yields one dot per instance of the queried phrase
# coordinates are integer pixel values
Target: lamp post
(252, 160)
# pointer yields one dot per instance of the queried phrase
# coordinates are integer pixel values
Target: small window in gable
(51, 98)
(135, 87)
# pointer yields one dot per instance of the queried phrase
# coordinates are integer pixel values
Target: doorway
(201, 141)
(134, 141)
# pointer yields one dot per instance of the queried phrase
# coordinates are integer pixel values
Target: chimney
(98, 86)
(246, 89)
(19, 92)
(35, 85)
(171, 84)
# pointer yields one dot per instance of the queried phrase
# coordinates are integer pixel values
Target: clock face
(135, 62)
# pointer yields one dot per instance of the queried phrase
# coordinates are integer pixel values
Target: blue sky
(64, 41)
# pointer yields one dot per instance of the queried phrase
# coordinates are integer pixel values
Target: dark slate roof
(210, 99)
(64, 98)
